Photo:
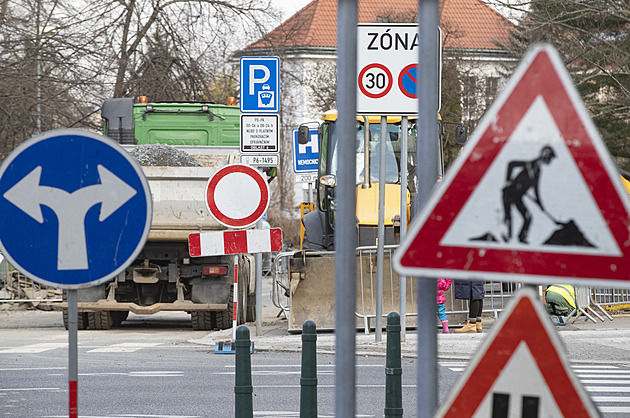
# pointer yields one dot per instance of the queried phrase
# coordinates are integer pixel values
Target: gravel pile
(163, 155)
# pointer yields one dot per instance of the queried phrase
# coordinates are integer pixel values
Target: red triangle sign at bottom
(521, 367)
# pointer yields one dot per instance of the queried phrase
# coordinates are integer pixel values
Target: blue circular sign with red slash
(408, 81)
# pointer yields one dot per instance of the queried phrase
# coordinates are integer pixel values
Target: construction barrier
(17, 288)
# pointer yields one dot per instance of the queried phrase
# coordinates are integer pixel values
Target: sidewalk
(576, 334)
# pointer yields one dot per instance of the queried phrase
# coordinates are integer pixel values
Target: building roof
(466, 24)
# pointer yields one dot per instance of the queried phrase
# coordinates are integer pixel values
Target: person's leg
(470, 326)
(478, 317)
(443, 318)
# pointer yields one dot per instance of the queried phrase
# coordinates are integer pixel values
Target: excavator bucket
(312, 289)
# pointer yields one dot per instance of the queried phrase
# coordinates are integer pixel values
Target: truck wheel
(100, 320)
(118, 317)
(82, 320)
(224, 318)
(251, 308)
(203, 320)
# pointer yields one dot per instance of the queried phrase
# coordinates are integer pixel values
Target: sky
(289, 7)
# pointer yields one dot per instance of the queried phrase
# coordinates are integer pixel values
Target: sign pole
(427, 153)
(259, 302)
(72, 353)
(403, 224)
(345, 226)
(380, 245)
(235, 299)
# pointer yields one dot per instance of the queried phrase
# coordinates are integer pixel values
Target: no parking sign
(387, 66)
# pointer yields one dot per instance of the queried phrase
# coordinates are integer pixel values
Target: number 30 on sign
(375, 80)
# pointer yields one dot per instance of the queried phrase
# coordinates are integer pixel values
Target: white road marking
(33, 348)
(25, 389)
(123, 348)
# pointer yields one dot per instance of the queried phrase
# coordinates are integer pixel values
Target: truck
(309, 285)
(201, 137)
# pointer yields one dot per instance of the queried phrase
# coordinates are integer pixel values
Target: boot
(468, 328)
(445, 327)
(478, 326)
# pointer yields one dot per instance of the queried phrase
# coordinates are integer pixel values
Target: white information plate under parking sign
(261, 160)
(76, 208)
(259, 133)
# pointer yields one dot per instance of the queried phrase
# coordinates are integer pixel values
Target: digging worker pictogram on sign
(533, 194)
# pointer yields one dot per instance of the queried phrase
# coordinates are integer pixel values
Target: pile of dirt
(162, 155)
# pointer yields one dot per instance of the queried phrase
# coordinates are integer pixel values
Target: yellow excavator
(310, 283)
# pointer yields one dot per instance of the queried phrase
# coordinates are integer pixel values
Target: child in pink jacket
(442, 285)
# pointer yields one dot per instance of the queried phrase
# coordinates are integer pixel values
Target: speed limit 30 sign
(387, 66)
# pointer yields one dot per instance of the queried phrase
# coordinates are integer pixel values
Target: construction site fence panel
(496, 298)
(17, 288)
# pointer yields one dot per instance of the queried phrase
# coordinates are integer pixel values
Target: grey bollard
(393, 368)
(244, 407)
(308, 380)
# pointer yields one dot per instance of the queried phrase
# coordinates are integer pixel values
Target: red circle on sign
(405, 72)
(390, 81)
(238, 180)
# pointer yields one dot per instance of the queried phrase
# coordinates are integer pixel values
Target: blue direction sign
(76, 208)
(260, 81)
(305, 156)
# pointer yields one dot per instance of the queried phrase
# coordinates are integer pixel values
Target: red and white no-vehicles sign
(237, 196)
(534, 196)
(387, 65)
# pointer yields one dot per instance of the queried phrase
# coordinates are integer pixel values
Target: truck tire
(100, 320)
(82, 320)
(251, 308)
(203, 320)
(118, 317)
(224, 318)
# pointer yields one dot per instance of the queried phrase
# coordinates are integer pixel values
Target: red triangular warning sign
(520, 366)
(533, 194)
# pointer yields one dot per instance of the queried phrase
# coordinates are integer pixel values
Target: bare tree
(59, 59)
(592, 38)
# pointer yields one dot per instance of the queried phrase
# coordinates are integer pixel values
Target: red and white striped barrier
(248, 241)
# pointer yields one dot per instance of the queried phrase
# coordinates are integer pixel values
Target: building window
(492, 88)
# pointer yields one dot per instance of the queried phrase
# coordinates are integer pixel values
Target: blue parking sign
(260, 82)
(305, 156)
(76, 208)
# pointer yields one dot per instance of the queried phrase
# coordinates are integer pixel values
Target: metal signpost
(427, 170)
(76, 212)
(260, 94)
(345, 228)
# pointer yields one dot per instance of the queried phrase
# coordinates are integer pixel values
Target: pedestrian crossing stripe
(486, 219)
(520, 364)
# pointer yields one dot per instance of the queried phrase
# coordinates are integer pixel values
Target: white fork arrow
(28, 195)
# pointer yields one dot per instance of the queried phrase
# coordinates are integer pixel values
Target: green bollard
(393, 368)
(308, 380)
(243, 386)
